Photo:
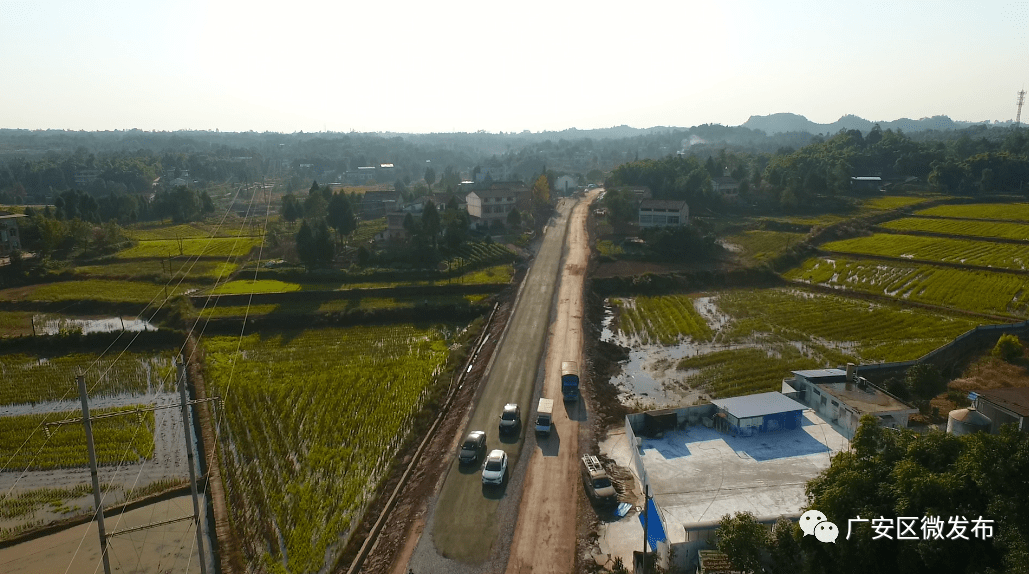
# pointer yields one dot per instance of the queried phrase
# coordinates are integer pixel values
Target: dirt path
(544, 538)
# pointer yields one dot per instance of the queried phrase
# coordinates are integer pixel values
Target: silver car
(495, 468)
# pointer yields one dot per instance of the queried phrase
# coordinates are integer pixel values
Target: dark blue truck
(570, 380)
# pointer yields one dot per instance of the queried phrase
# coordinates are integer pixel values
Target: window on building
(646, 218)
(673, 220)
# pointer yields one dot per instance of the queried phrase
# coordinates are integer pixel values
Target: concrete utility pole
(192, 470)
(81, 380)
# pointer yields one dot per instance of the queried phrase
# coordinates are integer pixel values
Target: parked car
(495, 468)
(473, 445)
(510, 419)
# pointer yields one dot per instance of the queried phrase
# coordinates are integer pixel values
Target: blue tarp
(655, 531)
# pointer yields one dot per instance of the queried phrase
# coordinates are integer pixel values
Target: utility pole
(1021, 100)
(81, 380)
(646, 523)
(192, 470)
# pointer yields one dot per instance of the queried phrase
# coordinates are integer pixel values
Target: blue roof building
(763, 412)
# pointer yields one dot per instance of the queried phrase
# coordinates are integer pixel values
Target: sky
(465, 66)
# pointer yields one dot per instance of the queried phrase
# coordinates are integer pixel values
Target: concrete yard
(697, 475)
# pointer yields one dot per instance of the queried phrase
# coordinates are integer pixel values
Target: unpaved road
(544, 538)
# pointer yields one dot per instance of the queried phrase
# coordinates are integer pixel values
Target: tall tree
(290, 208)
(430, 176)
(340, 215)
(305, 245)
(430, 222)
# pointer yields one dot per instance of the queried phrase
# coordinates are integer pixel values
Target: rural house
(725, 187)
(663, 212)
(1004, 406)
(10, 239)
(842, 398)
(493, 203)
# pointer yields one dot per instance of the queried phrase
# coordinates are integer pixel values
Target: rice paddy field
(312, 420)
(105, 290)
(961, 227)
(224, 247)
(156, 232)
(958, 251)
(888, 202)
(37, 378)
(118, 440)
(487, 276)
(747, 340)
(159, 268)
(998, 211)
(980, 291)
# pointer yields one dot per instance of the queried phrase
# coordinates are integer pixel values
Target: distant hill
(786, 122)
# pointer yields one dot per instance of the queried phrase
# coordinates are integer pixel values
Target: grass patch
(118, 440)
(760, 245)
(315, 418)
(15, 323)
(366, 230)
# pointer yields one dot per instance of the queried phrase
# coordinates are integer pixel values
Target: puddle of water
(100, 325)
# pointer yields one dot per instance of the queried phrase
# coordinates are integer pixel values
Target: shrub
(1008, 348)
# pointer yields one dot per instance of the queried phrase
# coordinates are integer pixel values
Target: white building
(664, 212)
(565, 184)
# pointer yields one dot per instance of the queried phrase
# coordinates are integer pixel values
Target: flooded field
(46, 325)
(168, 465)
(689, 348)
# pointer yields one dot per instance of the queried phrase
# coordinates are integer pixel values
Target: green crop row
(159, 268)
(1002, 211)
(24, 504)
(117, 440)
(971, 290)
(665, 320)
(94, 290)
(314, 419)
(892, 202)
(245, 286)
(963, 251)
(734, 372)
(761, 245)
(152, 232)
(210, 247)
(30, 379)
(961, 227)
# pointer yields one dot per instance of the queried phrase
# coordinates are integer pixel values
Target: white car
(495, 468)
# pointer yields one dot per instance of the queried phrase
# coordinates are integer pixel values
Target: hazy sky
(530, 65)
